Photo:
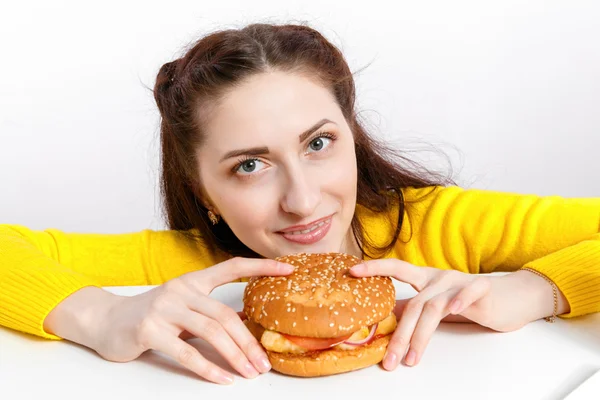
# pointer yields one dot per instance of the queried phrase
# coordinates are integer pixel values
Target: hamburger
(320, 320)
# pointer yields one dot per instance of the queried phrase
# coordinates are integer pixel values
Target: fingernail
(359, 268)
(225, 378)
(264, 364)
(251, 372)
(390, 361)
(287, 268)
(455, 306)
(411, 357)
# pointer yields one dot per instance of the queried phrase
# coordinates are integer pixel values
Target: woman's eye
(319, 143)
(249, 166)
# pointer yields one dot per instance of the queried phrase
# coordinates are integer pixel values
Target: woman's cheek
(249, 210)
(341, 174)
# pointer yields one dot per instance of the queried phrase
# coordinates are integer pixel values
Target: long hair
(187, 86)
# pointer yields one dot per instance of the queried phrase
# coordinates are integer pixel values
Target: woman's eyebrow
(304, 135)
(258, 151)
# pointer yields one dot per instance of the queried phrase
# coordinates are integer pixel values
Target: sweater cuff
(28, 297)
(576, 272)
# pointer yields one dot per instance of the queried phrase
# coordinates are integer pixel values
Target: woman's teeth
(312, 228)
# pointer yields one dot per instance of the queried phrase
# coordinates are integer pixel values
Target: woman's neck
(350, 245)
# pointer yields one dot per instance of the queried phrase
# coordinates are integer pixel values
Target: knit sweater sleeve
(481, 231)
(39, 269)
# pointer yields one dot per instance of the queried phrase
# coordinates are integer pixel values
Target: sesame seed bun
(320, 299)
(329, 362)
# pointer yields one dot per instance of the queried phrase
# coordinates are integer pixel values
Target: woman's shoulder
(415, 202)
(419, 194)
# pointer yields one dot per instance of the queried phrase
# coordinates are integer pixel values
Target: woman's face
(279, 166)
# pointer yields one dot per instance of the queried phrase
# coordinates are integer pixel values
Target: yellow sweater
(474, 231)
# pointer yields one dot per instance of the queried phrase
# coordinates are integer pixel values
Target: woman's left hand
(502, 303)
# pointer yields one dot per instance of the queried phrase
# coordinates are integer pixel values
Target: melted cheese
(274, 341)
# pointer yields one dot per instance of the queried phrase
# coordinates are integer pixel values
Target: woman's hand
(502, 303)
(122, 328)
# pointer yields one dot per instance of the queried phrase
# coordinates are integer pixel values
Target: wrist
(540, 293)
(77, 317)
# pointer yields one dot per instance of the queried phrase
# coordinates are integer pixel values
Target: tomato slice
(309, 343)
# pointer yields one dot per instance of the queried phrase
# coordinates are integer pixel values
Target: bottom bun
(329, 362)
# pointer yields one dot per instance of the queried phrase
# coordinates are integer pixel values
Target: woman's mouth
(310, 234)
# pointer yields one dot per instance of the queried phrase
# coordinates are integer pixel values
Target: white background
(510, 90)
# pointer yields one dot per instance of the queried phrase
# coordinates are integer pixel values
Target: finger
(400, 340)
(190, 358)
(398, 269)
(212, 331)
(469, 295)
(434, 311)
(399, 309)
(237, 268)
(235, 328)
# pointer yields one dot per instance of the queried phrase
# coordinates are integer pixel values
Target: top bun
(320, 298)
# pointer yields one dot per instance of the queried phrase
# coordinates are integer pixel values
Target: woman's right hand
(122, 328)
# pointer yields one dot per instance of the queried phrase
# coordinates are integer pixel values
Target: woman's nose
(302, 194)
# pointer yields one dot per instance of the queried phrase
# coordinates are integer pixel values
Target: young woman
(263, 155)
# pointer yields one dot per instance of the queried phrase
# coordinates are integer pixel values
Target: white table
(463, 361)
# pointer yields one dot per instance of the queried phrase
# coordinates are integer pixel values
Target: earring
(213, 218)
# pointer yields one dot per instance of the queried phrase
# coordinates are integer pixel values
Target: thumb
(403, 271)
(237, 268)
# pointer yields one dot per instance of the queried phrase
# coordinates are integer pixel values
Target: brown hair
(187, 86)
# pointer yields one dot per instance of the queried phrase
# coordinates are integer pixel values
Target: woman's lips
(310, 235)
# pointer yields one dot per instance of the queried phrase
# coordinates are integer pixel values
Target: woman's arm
(479, 231)
(39, 269)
